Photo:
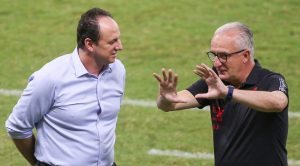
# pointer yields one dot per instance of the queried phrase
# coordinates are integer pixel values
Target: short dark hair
(88, 26)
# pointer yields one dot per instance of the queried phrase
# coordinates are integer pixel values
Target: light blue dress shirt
(74, 112)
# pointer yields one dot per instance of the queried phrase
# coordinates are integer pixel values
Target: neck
(89, 62)
(244, 74)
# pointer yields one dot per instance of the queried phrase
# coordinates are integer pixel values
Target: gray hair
(245, 37)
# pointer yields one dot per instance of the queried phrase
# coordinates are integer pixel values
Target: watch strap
(229, 93)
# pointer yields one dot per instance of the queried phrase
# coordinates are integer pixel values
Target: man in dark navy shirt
(249, 104)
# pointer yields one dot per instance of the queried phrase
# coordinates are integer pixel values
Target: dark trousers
(38, 163)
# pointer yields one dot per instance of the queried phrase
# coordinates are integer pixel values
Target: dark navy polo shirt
(244, 136)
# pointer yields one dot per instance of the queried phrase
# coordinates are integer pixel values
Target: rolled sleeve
(13, 133)
(34, 102)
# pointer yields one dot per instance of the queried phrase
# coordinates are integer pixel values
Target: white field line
(152, 104)
(11, 92)
(126, 101)
(208, 156)
(181, 154)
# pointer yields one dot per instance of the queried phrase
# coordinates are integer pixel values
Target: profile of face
(106, 49)
(229, 60)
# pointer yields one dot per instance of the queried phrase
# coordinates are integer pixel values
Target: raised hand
(216, 88)
(168, 84)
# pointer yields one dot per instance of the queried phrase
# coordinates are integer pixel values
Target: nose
(119, 46)
(217, 62)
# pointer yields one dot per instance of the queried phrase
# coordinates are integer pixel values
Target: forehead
(108, 27)
(223, 42)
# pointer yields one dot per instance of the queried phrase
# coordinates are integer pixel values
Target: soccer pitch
(155, 34)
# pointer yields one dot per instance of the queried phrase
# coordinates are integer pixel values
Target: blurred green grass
(155, 34)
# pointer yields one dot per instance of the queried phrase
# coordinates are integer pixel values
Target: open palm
(168, 84)
(216, 87)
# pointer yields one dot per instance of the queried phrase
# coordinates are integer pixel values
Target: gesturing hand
(216, 88)
(168, 85)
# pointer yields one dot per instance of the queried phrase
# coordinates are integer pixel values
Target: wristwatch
(229, 93)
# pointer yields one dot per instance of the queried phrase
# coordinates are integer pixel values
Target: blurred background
(155, 34)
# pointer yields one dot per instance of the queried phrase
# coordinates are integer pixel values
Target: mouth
(221, 71)
(114, 54)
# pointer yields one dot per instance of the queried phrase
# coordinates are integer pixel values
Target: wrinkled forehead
(224, 41)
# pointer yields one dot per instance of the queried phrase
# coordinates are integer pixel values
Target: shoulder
(58, 63)
(268, 74)
(51, 70)
(118, 66)
(264, 73)
(273, 81)
(118, 63)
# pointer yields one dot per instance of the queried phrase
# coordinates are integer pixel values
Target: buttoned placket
(99, 96)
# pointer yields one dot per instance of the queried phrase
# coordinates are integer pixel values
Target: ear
(246, 56)
(88, 43)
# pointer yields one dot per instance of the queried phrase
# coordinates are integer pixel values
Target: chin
(223, 77)
(112, 60)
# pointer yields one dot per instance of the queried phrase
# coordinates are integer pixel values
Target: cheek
(103, 47)
(231, 69)
(108, 49)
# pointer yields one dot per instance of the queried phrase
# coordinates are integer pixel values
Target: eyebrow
(216, 52)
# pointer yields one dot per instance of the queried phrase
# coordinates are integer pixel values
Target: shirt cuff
(18, 135)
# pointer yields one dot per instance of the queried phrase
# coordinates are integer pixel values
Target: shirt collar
(79, 68)
(107, 68)
(254, 74)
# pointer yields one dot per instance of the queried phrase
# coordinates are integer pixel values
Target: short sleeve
(199, 86)
(275, 82)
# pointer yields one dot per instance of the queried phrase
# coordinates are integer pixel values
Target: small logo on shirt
(217, 117)
(282, 85)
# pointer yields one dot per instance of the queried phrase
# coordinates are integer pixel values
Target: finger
(199, 73)
(206, 68)
(213, 74)
(175, 80)
(199, 67)
(209, 71)
(157, 77)
(202, 71)
(170, 79)
(163, 70)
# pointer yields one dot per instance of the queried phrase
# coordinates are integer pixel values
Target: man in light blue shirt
(73, 101)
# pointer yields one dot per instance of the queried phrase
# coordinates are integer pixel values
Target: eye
(222, 55)
(113, 41)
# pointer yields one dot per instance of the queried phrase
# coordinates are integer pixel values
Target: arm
(34, 103)
(169, 99)
(189, 102)
(26, 148)
(263, 101)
